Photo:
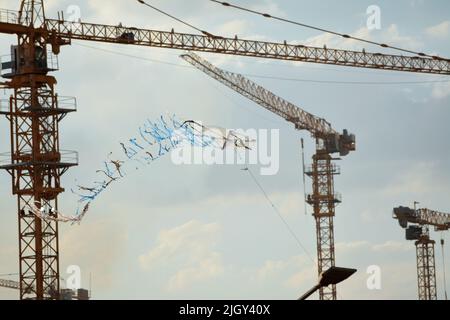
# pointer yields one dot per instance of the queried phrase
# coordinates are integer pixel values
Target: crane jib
(67, 30)
(303, 120)
(236, 46)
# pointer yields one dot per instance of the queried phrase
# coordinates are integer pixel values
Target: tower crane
(66, 294)
(328, 142)
(34, 111)
(417, 223)
(15, 285)
(10, 284)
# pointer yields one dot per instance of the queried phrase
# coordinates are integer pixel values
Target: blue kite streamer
(155, 140)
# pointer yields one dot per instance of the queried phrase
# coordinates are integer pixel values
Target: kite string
(277, 211)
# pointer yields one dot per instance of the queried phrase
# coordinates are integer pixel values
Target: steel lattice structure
(34, 112)
(426, 268)
(440, 220)
(322, 172)
(249, 89)
(417, 222)
(36, 161)
(59, 31)
(281, 51)
(9, 284)
(323, 200)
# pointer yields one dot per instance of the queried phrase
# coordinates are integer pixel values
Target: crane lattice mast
(417, 223)
(328, 141)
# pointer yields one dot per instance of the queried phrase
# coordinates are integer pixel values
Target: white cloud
(302, 278)
(287, 203)
(270, 267)
(418, 179)
(368, 216)
(269, 7)
(298, 273)
(349, 247)
(232, 28)
(441, 90)
(390, 35)
(95, 247)
(440, 31)
(395, 38)
(207, 268)
(273, 267)
(294, 272)
(191, 245)
(398, 281)
(392, 246)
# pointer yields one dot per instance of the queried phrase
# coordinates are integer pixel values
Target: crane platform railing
(9, 16)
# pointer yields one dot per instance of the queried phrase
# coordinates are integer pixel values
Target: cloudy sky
(208, 232)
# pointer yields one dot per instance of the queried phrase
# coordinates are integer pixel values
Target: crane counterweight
(340, 143)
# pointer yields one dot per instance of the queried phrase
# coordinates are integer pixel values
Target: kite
(155, 140)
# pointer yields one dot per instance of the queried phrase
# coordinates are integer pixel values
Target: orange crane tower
(328, 141)
(36, 162)
(417, 222)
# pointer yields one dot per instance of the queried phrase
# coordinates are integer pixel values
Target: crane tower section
(417, 223)
(328, 141)
(35, 162)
